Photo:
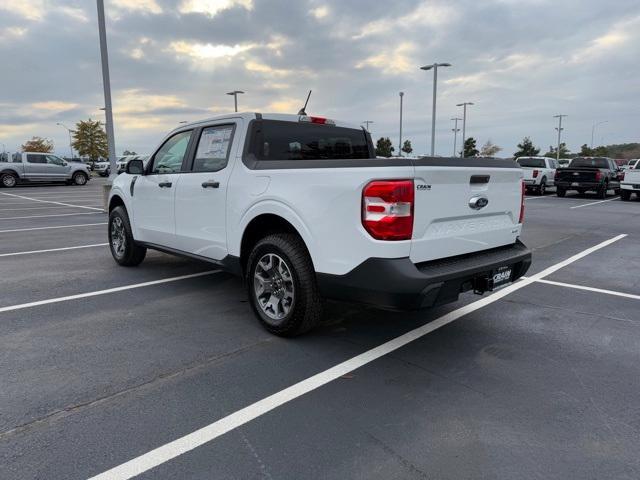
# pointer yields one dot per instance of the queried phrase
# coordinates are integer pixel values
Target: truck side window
(213, 149)
(36, 158)
(53, 160)
(170, 156)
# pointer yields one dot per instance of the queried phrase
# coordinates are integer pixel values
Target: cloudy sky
(519, 61)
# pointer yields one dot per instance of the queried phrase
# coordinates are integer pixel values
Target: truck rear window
(281, 140)
(580, 162)
(531, 162)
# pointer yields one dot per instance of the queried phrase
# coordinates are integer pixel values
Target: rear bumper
(635, 187)
(399, 284)
(569, 185)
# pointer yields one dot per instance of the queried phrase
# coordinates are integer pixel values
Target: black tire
(561, 192)
(625, 195)
(8, 180)
(542, 189)
(80, 178)
(124, 249)
(294, 276)
(602, 191)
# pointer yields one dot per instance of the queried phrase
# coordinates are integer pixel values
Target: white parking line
(22, 306)
(34, 208)
(51, 228)
(49, 201)
(535, 198)
(206, 434)
(590, 289)
(54, 215)
(595, 203)
(13, 254)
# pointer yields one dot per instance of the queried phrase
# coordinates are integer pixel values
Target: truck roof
(248, 116)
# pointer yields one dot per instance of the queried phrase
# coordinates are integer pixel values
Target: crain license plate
(502, 277)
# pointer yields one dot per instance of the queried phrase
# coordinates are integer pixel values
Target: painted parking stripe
(590, 289)
(51, 228)
(49, 201)
(13, 308)
(62, 249)
(595, 203)
(35, 208)
(53, 215)
(206, 434)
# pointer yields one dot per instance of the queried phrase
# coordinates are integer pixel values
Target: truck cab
(33, 167)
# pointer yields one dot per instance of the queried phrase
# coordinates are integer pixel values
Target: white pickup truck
(539, 173)
(630, 184)
(33, 167)
(301, 208)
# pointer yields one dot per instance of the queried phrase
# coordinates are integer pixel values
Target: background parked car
(598, 174)
(631, 164)
(539, 173)
(30, 167)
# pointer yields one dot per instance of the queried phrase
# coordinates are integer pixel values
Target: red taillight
(621, 176)
(557, 175)
(317, 120)
(521, 220)
(535, 173)
(387, 209)
(598, 176)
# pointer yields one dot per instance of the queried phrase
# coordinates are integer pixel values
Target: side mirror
(135, 167)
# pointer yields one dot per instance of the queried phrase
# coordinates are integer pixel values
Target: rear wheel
(625, 195)
(602, 191)
(8, 180)
(80, 178)
(282, 287)
(123, 247)
(560, 191)
(542, 189)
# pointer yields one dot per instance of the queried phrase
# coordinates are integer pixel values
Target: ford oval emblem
(476, 203)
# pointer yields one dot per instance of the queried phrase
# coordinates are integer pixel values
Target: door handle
(164, 184)
(210, 184)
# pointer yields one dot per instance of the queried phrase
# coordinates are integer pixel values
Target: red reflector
(535, 174)
(521, 220)
(387, 209)
(598, 176)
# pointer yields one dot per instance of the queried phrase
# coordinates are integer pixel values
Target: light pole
(435, 90)
(455, 130)
(400, 137)
(108, 112)
(235, 94)
(68, 130)
(464, 123)
(593, 130)
(367, 123)
(559, 129)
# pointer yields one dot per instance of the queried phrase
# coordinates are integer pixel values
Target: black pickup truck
(598, 174)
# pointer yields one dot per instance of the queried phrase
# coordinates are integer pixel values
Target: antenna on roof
(302, 110)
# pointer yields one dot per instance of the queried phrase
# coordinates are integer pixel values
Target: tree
(470, 149)
(526, 149)
(489, 149)
(564, 151)
(406, 147)
(585, 151)
(128, 152)
(38, 144)
(384, 147)
(90, 139)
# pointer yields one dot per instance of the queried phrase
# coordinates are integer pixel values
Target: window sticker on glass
(214, 142)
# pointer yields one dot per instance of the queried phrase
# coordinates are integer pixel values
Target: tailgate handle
(476, 179)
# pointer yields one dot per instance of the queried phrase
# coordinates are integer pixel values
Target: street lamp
(559, 129)
(400, 137)
(367, 123)
(464, 123)
(435, 89)
(593, 130)
(455, 130)
(235, 94)
(68, 130)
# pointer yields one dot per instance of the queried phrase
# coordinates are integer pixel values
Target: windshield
(581, 162)
(280, 140)
(531, 162)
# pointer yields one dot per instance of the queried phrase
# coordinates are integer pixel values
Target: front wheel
(123, 247)
(80, 178)
(8, 180)
(281, 284)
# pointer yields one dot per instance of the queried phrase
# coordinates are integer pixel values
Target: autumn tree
(384, 147)
(470, 149)
(489, 149)
(90, 139)
(526, 149)
(38, 144)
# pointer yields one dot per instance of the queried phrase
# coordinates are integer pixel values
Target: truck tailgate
(447, 219)
(577, 175)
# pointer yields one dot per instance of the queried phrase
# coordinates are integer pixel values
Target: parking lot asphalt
(100, 364)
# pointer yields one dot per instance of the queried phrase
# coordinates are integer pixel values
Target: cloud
(145, 6)
(212, 7)
(54, 106)
(396, 60)
(28, 9)
(207, 51)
